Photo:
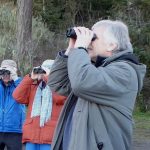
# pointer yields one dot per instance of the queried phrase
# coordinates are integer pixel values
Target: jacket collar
(123, 55)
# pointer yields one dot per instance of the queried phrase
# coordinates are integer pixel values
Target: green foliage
(40, 31)
(140, 115)
(144, 58)
(51, 12)
(7, 29)
(141, 125)
(141, 104)
(8, 42)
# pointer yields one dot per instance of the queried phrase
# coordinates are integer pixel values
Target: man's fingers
(77, 31)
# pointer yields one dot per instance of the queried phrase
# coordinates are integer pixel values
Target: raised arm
(22, 91)
(95, 84)
(58, 78)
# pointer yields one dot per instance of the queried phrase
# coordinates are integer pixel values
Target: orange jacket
(32, 132)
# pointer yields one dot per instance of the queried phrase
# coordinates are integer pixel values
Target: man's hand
(84, 37)
(36, 76)
(71, 45)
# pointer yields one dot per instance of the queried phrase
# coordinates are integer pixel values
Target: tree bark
(43, 6)
(24, 35)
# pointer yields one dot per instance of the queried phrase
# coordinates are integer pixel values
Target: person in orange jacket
(44, 107)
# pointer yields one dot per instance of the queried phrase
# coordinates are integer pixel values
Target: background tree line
(51, 18)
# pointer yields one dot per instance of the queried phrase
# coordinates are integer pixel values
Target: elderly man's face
(99, 46)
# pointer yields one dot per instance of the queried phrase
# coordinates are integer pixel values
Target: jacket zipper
(3, 109)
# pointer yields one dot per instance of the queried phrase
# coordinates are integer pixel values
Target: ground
(141, 138)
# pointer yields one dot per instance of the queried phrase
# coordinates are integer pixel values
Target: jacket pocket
(28, 130)
(48, 131)
(13, 118)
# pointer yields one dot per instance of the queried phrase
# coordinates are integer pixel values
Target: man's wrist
(67, 52)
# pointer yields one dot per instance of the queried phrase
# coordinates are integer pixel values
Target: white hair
(116, 32)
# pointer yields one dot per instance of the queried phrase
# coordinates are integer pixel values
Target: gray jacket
(106, 98)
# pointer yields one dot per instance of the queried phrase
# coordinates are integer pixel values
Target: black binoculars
(39, 70)
(70, 33)
(4, 72)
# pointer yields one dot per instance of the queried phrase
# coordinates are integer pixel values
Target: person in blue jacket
(12, 114)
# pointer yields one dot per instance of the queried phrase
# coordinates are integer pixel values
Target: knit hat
(11, 66)
(48, 63)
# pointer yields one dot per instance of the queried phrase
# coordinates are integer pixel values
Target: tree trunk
(44, 6)
(24, 35)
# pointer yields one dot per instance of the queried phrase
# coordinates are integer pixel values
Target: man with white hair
(101, 78)
(12, 114)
